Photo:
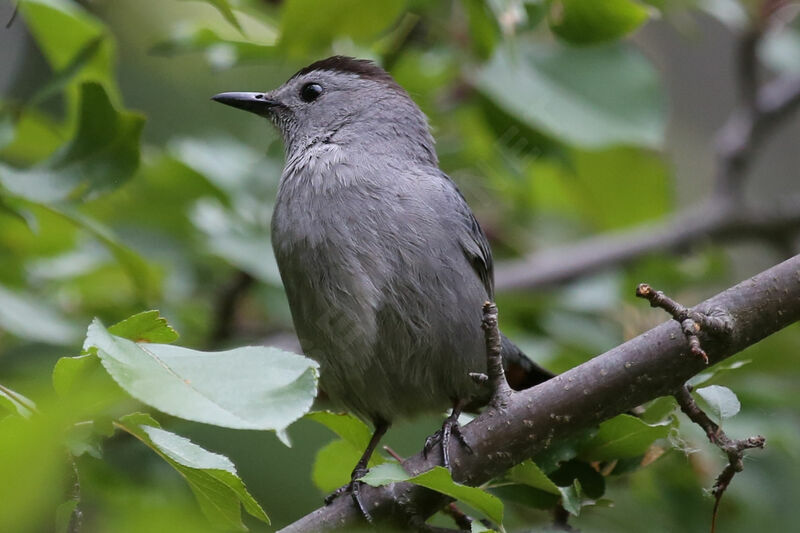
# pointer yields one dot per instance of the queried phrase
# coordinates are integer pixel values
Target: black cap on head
(363, 68)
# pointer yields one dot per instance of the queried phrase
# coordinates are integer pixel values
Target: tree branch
(716, 220)
(654, 364)
(734, 449)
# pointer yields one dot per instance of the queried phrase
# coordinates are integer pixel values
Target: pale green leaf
(212, 477)
(77, 29)
(244, 388)
(224, 8)
(571, 498)
(704, 377)
(103, 154)
(347, 426)
(722, 401)
(17, 403)
(621, 437)
(308, 26)
(527, 473)
(333, 465)
(593, 97)
(29, 317)
(439, 479)
(136, 267)
(64, 515)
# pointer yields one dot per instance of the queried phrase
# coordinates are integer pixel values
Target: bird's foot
(450, 428)
(354, 489)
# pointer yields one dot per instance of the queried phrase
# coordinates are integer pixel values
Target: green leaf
(147, 326)
(14, 402)
(593, 97)
(212, 477)
(224, 8)
(562, 451)
(704, 377)
(136, 267)
(244, 388)
(308, 26)
(32, 464)
(36, 137)
(334, 463)
(722, 401)
(622, 436)
(527, 473)
(84, 381)
(64, 515)
(347, 426)
(77, 29)
(477, 527)
(68, 372)
(439, 479)
(571, 498)
(611, 199)
(590, 21)
(85, 438)
(242, 244)
(220, 52)
(63, 78)
(103, 154)
(658, 409)
(27, 316)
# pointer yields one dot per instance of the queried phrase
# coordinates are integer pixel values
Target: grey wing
(473, 241)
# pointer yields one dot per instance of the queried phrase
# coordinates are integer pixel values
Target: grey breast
(382, 292)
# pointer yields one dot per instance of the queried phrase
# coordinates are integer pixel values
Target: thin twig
(717, 220)
(691, 321)
(495, 376)
(734, 449)
(397, 457)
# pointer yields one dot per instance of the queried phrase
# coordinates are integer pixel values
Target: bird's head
(345, 101)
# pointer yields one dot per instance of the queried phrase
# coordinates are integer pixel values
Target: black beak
(256, 103)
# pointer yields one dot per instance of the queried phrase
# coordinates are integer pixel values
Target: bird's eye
(310, 92)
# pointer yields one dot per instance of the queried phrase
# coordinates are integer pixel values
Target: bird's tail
(521, 371)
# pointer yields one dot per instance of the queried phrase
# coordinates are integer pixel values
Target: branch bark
(717, 219)
(654, 364)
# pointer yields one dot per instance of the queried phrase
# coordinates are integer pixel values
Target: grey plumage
(384, 264)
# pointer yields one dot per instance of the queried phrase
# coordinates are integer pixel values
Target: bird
(384, 264)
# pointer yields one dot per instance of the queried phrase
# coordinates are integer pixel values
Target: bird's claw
(450, 427)
(354, 489)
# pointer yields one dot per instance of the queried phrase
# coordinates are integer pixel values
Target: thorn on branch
(716, 321)
(734, 449)
(495, 375)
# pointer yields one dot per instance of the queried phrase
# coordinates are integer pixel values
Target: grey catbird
(385, 266)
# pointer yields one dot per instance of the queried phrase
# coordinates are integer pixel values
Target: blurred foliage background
(123, 188)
